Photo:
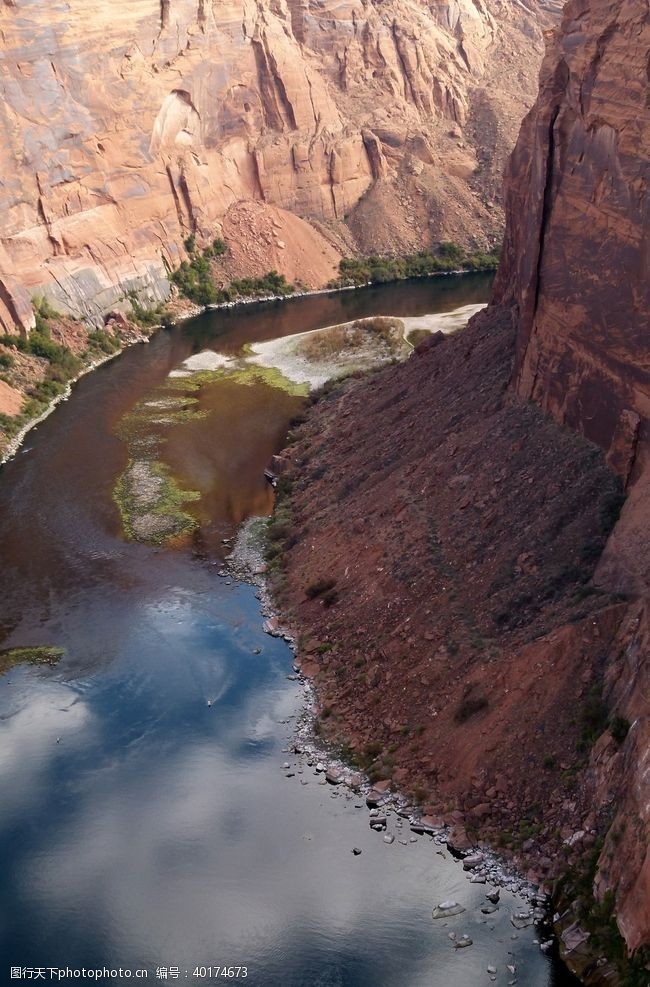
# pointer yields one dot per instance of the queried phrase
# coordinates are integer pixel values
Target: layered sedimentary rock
(576, 261)
(576, 270)
(127, 126)
(492, 633)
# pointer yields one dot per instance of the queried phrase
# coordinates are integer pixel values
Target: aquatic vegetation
(137, 426)
(250, 374)
(151, 503)
(246, 374)
(39, 655)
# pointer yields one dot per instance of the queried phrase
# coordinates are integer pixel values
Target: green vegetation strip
(447, 257)
(246, 374)
(62, 364)
(151, 503)
(35, 656)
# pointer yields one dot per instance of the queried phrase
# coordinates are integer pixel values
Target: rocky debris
(462, 942)
(472, 860)
(573, 937)
(522, 919)
(356, 851)
(446, 909)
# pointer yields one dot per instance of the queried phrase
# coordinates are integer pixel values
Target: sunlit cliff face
(126, 127)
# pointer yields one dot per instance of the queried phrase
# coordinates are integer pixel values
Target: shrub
(145, 317)
(319, 586)
(41, 345)
(473, 702)
(6, 361)
(101, 340)
(377, 270)
(610, 507)
(619, 728)
(593, 719)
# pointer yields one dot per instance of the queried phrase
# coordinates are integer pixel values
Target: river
(145, 820)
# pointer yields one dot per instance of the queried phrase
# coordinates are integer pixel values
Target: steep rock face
(125, 127)
(576, 272)
(576, 257)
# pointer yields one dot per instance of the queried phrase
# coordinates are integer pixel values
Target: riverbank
(433, 552)
(130, 331)
(390, 812)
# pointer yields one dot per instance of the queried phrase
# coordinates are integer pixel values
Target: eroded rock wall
(576, 260)
(126, 126)
(576, 274)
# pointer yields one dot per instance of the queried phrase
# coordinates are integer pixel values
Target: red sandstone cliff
(576, 260)
(127, 126)
(576, 269)
(469, 639)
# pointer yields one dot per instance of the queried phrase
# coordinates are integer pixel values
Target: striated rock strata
(576, 273)
(127, 126)
(489, 632)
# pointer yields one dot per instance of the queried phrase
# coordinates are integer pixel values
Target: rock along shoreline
(387, 809)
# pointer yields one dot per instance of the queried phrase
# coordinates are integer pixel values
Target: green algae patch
(252, 374)
(151, 503)
(41, 655)
(246, 374)
(158, 411)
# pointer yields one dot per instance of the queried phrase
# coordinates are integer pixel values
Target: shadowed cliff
(487, 646)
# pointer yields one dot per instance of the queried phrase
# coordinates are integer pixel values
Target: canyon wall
(576, 261)
(486, 642)
(127, 126)
(576, 273)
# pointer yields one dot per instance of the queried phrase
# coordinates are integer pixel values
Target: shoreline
(481, 863)
(13, 446)
(15, 443)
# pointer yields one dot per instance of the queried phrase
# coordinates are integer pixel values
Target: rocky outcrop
(576, 263)
(126, 127)
(477, 636)
(576, 273)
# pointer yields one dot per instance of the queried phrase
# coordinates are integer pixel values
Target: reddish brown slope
(461, 530)
(459, 523)
(576, 273)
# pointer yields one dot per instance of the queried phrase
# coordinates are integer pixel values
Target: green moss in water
(34, 656)
(171, 410)
(151, 503)
(246, 374)
(251, 374)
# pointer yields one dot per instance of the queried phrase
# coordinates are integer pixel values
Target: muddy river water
(146, 822)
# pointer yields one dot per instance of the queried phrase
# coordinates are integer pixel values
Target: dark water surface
(140, 827)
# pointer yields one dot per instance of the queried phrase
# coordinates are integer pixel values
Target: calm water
(140, 827)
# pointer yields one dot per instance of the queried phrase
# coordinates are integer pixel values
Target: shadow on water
(145, 819)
